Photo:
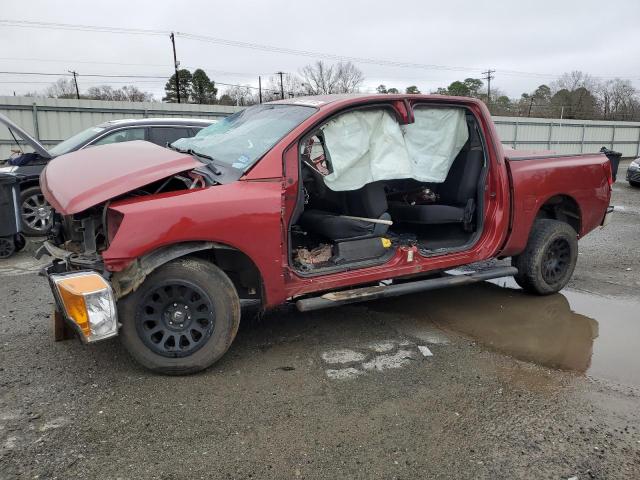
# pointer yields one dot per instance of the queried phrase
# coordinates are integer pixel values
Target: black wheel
(182, 319)
(634, 184)
(549, 259)
(7, 247)
(19, 241)
(35, 212)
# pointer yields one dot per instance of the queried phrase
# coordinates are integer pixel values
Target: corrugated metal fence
(569, 136)
(53, 120)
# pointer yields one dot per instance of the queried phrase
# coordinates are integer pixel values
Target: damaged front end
(84, 288)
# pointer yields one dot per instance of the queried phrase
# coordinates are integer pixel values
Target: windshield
(240, 140)
(74, 142)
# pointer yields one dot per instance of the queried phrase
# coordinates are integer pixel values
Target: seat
(457, 195)
(369, 201)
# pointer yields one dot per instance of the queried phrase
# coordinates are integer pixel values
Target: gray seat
(369, 201)
(457, 195)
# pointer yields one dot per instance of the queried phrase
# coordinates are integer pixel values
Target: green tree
(226, 100)
(474, 85)
(412, 90)
(381, 89)
(470, 87)
(578, 103)
(171, 93)
(203, 90)
(458, 89)
(393, 90)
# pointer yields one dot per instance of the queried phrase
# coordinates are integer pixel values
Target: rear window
(163, 135)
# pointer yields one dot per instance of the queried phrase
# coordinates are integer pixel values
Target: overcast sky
(541, 38)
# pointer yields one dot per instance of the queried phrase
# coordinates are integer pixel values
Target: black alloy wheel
(175, 319)
(556, 260)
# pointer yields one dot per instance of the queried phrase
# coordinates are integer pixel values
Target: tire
(549, 259)
(35, 212)
(176, 292)
(634, 184)
(7, 247)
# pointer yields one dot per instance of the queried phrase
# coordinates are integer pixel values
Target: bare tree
(617, 99)
(62, 88)
(349, 78)
(573, 80)
(241, 95)
(128, 93)
(292, 85)
(320, 78)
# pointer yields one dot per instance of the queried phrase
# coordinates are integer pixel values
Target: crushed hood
(79, 180)
(28, 139)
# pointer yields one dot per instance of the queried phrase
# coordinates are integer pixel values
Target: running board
(344, 297)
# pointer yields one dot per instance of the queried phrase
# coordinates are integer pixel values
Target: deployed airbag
(434, 140)
(364, 146)
(369, 145)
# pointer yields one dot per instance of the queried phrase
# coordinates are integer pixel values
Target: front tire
(549, 259)
(182, 319)
(634, 184)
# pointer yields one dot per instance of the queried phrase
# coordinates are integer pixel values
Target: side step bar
(335, 299)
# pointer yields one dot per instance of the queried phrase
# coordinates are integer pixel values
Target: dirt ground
(481, 382)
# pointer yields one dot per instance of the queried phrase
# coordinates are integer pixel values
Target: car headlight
(88, 301)
(8, 169)
(635, 163)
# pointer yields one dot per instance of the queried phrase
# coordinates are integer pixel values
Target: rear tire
(182, 319)
(549, 259)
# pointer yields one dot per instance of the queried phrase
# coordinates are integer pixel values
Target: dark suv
(34, 209)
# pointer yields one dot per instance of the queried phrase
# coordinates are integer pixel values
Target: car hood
(79, 180)
(28, 139)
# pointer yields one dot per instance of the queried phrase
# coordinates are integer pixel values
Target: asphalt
(470, 383)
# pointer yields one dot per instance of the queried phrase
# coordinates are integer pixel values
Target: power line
(273, 49)
(162, 78)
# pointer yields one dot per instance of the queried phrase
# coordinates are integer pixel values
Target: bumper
(607, 216)
(633, 175)
(85, 303)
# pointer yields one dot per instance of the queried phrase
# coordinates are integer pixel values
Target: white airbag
(369, 145)
(365, 146)
(434, 140)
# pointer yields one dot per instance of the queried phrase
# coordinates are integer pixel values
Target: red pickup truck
(321, 201)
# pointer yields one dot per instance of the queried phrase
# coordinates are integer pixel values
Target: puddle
(571, 330)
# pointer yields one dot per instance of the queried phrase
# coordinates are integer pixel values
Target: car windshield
(239, 140)
(75, 142)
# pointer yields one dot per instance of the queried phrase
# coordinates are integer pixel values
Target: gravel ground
(370, 391)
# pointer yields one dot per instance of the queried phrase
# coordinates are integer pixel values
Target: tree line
(574, 95)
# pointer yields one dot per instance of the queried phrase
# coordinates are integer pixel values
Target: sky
(423, 43)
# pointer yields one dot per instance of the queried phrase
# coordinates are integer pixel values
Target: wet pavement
(478, 382)
(572, 330)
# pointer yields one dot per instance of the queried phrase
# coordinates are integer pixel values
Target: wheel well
(237, 265)
(563, 208)
(239, 268)
(28, 184)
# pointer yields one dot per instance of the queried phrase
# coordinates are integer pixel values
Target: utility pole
(176, 64)
(281, 85)
(75, 80)
(488, 77)
(260, 88)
